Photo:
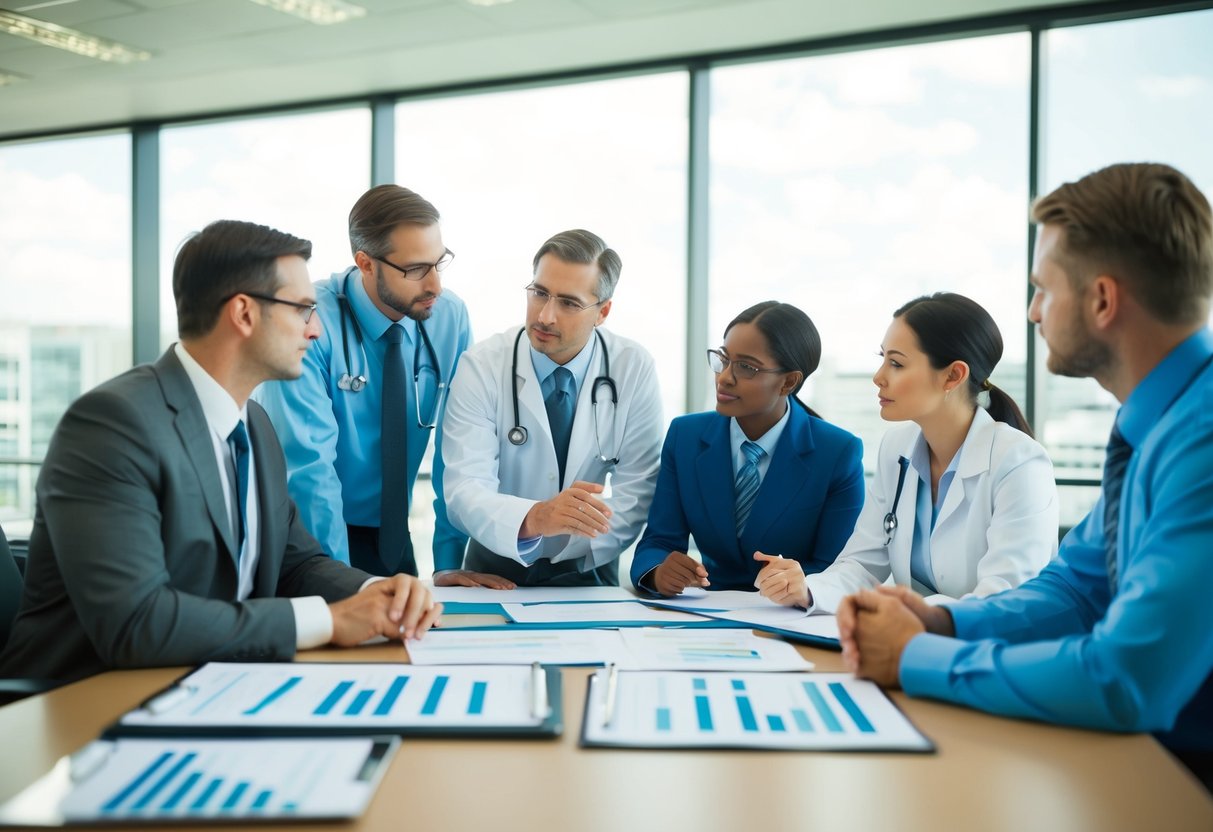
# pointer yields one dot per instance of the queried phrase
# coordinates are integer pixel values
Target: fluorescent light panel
(70, 40)
(320, 12)
(489, 2)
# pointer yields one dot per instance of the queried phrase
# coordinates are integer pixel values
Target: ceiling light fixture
(487, 3)
(70, 40)
(320, 12)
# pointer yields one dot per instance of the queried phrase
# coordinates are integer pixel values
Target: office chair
(12, 690)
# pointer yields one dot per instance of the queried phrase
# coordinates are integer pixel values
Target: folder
(167, 781)
(352, 698)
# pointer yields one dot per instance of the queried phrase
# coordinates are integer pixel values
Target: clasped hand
(875, 625)
(399, 607)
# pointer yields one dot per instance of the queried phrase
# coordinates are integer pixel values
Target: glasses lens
(715, 361)
(744, 370)
(308, 312)
(445, 260)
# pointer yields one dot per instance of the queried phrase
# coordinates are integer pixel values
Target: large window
(508, 170)
(299, 173)
(1133, 91)
(65, 322)
(851, 183)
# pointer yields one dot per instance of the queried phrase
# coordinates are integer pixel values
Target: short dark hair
(226, 257)
(791, 336)
(952, 327)
(377, 213)
(1145, 224)
(585, 247)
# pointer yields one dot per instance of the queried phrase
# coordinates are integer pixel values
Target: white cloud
(1172, 86)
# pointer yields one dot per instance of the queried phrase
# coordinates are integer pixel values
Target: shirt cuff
(528, 549)
(646, 582)
(371, 580)
(313, 621)
(926, 665)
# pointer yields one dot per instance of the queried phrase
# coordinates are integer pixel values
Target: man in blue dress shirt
(1117, 632)
(339, 451)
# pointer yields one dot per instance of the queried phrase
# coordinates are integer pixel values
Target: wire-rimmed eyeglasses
(719, 362)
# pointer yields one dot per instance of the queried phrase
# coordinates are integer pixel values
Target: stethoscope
(890, 519)
(357, 383)
(518, 434)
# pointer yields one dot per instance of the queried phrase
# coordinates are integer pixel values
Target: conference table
(988, 773)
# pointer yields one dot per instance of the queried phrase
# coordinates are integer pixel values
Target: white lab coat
(491, 484)
(996, 529)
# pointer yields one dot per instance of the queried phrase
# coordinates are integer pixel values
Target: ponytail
(1002, 408)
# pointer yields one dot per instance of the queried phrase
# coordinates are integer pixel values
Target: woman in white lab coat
(964, 501)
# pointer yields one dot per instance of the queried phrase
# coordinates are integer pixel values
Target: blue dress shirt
(331, 436)
(1062, 648)
(926, 513)
(768, 441)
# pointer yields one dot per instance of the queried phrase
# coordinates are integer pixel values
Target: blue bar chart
(149, 779)
(748, 710)
(346, 695)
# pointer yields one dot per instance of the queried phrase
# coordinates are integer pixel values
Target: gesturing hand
(782, 580)
(573, 511)
(677, 572)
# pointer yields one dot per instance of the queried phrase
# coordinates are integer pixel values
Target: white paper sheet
(344, 694)
(530, 595)
(825, 711)
(698, 598)
(785, 618)
(520, 646)
(622, 612)
(663, 649)
(162, 780)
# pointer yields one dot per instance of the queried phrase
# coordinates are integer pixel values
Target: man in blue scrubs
(353, 452)
(1117, 632)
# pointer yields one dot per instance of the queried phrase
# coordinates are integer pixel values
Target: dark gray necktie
(395, 544)
(560, 405)
(1119, 452)
(238, 442)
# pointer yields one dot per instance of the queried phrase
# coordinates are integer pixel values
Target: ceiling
(212, 56)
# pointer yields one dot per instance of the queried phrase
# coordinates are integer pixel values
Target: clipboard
(146, 781)
(306, 699)
(718, 710)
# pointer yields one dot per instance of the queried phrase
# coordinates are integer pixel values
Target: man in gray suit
(164, 534)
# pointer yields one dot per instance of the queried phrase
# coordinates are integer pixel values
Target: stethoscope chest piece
(517, 435)
(352, 384)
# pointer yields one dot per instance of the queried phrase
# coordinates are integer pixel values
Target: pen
(606, 486)
(539, 692)
(168, 700)
(612, 683)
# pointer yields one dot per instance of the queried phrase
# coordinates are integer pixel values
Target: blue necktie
(1119, 452)
(560, 405)
(395, 544)
(747, 482)
(238, 442)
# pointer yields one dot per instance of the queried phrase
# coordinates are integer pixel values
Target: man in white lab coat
(538, 417)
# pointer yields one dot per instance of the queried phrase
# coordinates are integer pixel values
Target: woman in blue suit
(758, 475)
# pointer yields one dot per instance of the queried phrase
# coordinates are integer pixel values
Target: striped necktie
(747, 482)
(1119, 452)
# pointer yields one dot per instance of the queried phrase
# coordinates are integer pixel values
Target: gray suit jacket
(131, 559)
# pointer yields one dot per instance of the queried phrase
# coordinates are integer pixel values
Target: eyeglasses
(306, 310)
(719, 362)
(539, 298)
(418, 271)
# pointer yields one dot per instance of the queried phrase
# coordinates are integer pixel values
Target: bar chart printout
(791, 711)
(180, 779)
(344, 695)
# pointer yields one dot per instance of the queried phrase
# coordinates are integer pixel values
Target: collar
(1155, 393)
(218, 406)
(768, 440)
(577, 365)
(372, 322)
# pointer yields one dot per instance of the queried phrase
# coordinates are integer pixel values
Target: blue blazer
(806, 507)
